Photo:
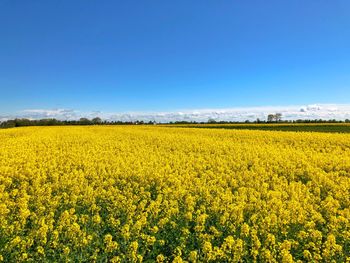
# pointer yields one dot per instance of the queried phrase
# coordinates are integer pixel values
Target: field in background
(151, 193)
(297, 127)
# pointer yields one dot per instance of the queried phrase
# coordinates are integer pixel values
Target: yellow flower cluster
(158, 194)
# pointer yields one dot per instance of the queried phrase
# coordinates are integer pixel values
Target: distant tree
(278, 117)
(274, 117)
(96, 120)
(84, 121)
(8, 124)
(48, 122)
(211, 120)
(270, 118)
(22, 122)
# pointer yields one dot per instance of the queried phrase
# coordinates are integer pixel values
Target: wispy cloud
(316, 111)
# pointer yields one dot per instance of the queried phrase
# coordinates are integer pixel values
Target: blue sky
(121, 56)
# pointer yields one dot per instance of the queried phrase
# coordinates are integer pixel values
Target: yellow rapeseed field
(158, 194)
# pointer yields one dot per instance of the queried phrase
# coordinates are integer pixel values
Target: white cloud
(41, 113)
(316, 111)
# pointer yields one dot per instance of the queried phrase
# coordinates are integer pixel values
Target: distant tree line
(263, 121)
(274, 118)
(54, 122)
(271, 118)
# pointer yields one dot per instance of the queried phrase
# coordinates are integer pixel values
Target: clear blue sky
(166, 55)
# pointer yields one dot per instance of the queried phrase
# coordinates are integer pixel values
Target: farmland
(163, 194)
